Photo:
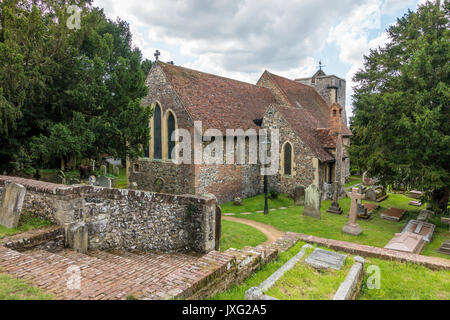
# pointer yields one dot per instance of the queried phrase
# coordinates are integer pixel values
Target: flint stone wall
(125, 219)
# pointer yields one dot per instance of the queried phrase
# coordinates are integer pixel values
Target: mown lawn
(15, 289)
(353, 180)
(238, 235)
(376, 232)
(27, 222)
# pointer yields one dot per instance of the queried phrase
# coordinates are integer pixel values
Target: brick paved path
(104, 275)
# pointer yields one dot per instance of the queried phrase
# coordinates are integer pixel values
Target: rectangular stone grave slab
(415, 194)
(323, 259)
(445, 248)
(424, 215)
(371, 207)
(415, 203)
(406, 242)
(11, 205)
(393, 214)
(421, 228)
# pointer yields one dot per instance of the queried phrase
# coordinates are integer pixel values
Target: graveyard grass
(27, 222)
(15, 289)
(399, 281)
(377, 232)
(303, 282)
(238, 235)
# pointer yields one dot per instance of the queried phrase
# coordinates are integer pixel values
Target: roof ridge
(210, 74)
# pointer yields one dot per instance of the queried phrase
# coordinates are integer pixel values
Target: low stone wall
(50, 239)
(350, 288)
(125, 219)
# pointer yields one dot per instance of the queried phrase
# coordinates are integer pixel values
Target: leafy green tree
(401, 105)
(57, 83)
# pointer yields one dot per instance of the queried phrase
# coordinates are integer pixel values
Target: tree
(57, 83)
(401, 105)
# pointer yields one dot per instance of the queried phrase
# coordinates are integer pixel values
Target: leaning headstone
(11, 205)
(323, 259)
(103, 181)
(424, 229)
(299, 195)
(406, 242)
(103, 169)
(352, 227)
(312, 202)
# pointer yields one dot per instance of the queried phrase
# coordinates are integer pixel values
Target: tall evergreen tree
(401, 105)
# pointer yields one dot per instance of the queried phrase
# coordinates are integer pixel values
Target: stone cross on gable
(157, 54)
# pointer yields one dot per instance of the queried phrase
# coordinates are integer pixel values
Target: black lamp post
(266, 180)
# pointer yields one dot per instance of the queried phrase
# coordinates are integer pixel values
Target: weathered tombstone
(424, 229)
(237, 201)
(299, 195)
(103, 181)
(406, 242)
(377, 194)
(92, 180)
(393, 214)
(416, 194)
(312, 202)
(335, 207)
(116, 171)
(323, 259)
(415, 203)
(77, 237)
(103, 169)
(362, 212)
(11, 205)
(352, 227)
(327, 193)
(424, 215)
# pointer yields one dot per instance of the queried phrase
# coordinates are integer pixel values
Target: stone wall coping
(75, 191)
(350, 287)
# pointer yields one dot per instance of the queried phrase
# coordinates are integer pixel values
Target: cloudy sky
(242, 38)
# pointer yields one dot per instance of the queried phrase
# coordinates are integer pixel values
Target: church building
(309, 114)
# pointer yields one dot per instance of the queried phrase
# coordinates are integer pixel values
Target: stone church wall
(303, 169)
(125, 219)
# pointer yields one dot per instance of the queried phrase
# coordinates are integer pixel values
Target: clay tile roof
(218, 102)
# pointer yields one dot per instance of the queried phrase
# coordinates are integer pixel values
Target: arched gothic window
(170, 130)
(157, 146)
(288, 159)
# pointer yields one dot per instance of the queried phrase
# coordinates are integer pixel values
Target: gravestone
(362, 212)
(323, 259)
(352, 227)
(415, 203)
(416, 194)
(11, 205)
(335, 207)
(445, 248)
(103, 182)
(424, 215)
(312, 202)
(393, 214)
(406, 242)
(424, 229)
(77, 237)
(237, 201)
(327, 193)
(103, 169)
(116, 171)
(299, 195)
(377, 194)
(371, 207)
(92, 180)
